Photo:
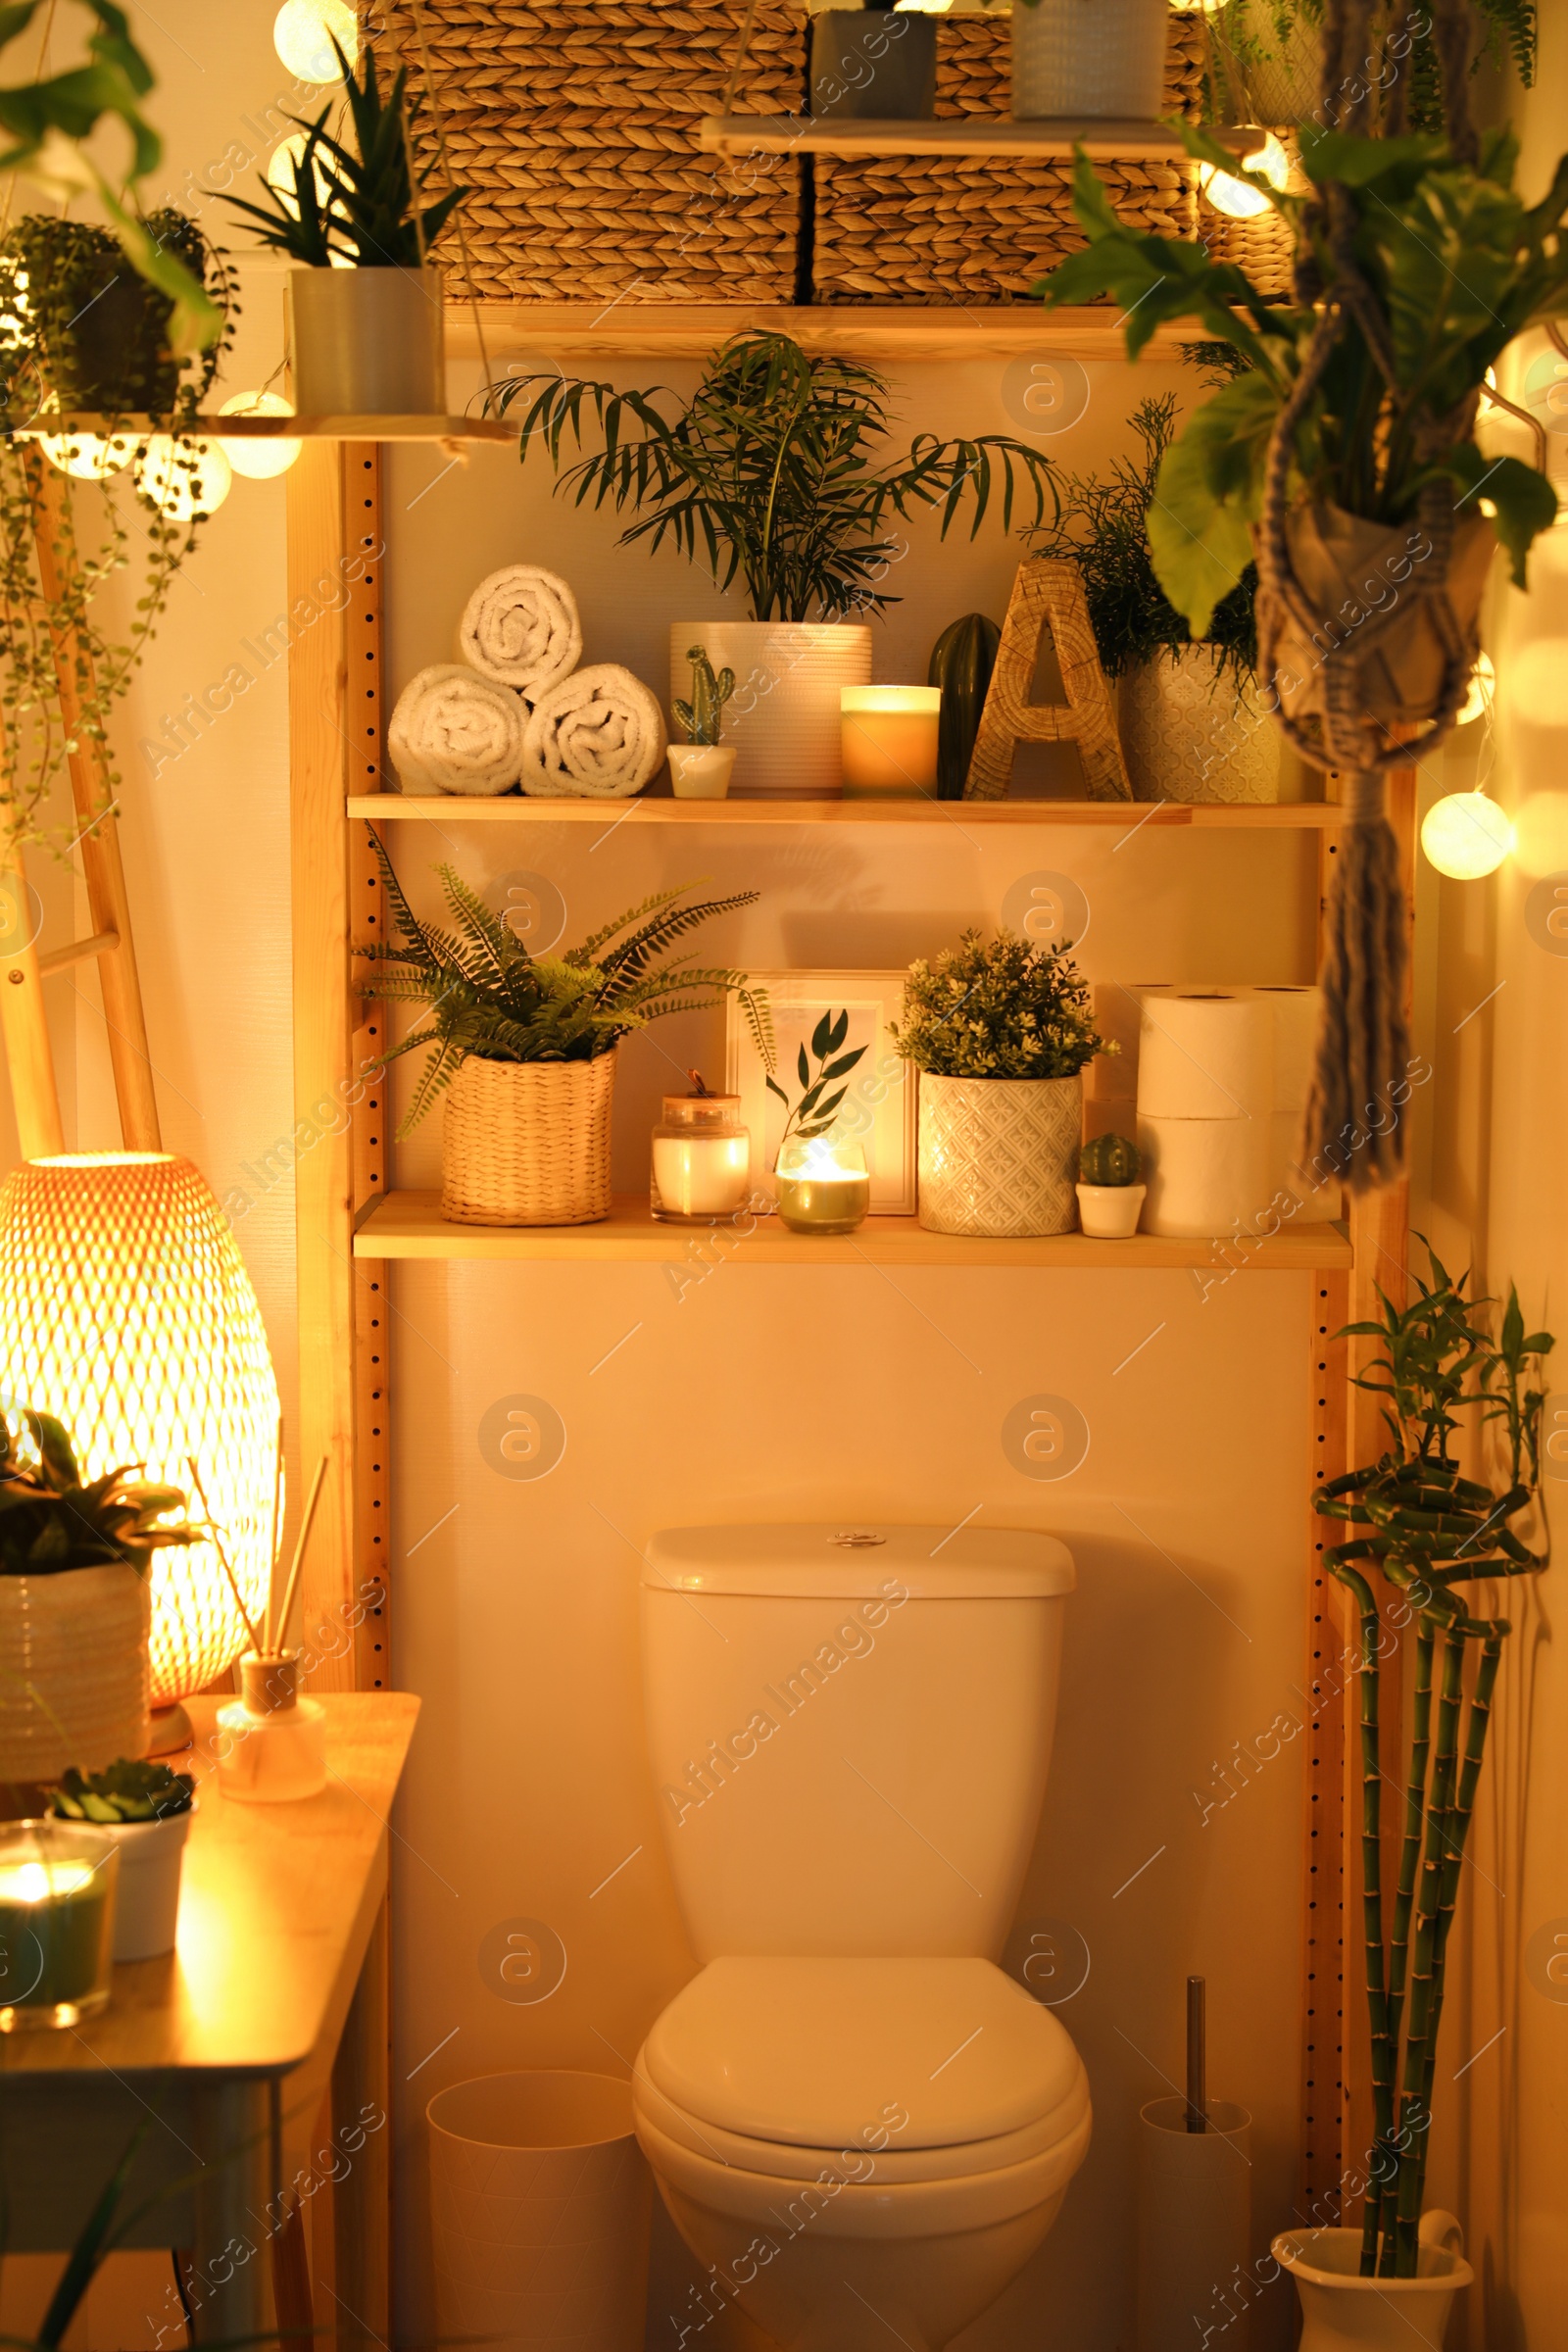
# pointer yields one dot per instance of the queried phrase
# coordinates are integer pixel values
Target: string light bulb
(259, 460)
(183, 478)
(1467, 836)
(1478, 697)
(1236, 198)
(88, 455)
(302, 33)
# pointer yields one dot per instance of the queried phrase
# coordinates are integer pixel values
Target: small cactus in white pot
(1110, 1197)
(700, 769)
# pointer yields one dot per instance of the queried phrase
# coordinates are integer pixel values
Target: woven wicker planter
(528, 1143)
(1190, 734)
(74, 1677)
(998, 1154)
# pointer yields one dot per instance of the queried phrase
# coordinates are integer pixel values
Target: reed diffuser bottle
(272, 1740)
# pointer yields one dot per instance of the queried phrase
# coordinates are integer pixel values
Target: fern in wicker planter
(523, 1047)
(999, 1035)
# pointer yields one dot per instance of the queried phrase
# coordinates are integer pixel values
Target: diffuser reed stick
(280, 1628)
(218, 1546)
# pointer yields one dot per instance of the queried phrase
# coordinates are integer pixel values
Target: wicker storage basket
(577, 131)
(528, 1143)
(927, 228)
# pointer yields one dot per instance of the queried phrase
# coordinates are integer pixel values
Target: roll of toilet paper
(1205, 1054)
(1295, 1012)
(1206, 1176)
(1119, 1018)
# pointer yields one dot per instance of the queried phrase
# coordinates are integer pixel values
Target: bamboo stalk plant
(1432, 1533)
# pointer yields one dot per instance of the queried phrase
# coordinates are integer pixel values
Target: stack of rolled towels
(518, 709)
(1222, 1081)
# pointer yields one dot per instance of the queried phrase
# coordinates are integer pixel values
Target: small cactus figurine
(702, 717)
(1109, 1159)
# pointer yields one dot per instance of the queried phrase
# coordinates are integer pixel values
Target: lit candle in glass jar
(702, 1160)
(823, 1185)
(889, 739)
(57, 1924)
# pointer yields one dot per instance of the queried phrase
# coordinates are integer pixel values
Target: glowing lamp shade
(183, 478)
(1236, 198)
(129, 1315)
(1466, 835)
(259, 460)
(302, 33)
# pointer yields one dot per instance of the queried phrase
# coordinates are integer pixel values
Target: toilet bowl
(854, 2117)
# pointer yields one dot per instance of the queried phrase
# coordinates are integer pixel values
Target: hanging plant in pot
(1265, 58)
(1000, 1034)
(1096, 57)
(1343, 461)
(523, 1047)
(1441, 1540)
(365, 308)
(772, 473)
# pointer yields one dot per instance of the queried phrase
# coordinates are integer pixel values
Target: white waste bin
(540, 2207)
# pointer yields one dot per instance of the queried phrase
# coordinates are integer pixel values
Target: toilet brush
(1194, 2209)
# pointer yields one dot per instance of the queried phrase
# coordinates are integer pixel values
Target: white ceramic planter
(997, 1155)
(151, 1854)
(367, 342)
(74, 1675)
(1190, 734)
(1341, 2310)
(783, 720)
(701, 771)
(1109, 1212)
(1088, 57)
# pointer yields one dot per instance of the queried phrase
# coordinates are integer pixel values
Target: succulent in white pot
(145, 1810)
(74, 1607)
(700, 769)
(364, 304)
(1110, 1188)
(776, 472)
(999, 1032)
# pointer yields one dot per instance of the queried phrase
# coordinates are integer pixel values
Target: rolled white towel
(598, 735)
(454, 731)
(520, 628)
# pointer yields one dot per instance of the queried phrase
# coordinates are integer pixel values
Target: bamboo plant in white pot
(773, 472)
(365, 307)
(524, 1046)
(999, 1032)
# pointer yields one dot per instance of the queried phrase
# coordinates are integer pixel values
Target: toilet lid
(819, 2053)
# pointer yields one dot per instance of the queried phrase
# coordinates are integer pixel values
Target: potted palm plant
(773, 472)
(1441, 1540)
(73, 1605)
(999, 1032)
(366, 334)
(524, 1046)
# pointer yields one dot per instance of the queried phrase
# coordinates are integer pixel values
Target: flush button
(856, 1540)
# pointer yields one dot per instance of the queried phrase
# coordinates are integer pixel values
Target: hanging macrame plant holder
(1369, 634)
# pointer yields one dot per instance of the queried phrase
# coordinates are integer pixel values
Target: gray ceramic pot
(368, 342)
(873, 65)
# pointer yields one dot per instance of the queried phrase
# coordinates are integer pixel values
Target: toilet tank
(850, 1730)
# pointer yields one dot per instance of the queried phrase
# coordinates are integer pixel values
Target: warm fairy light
(260, 461)
(1478, 698)
(183, 478)
(302, 32)
(90, 457)
(129, 1315)
(1465, 835)
(1235, 197)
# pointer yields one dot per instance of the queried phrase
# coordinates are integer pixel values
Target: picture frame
(821, 1020)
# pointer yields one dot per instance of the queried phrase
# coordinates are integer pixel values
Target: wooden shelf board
(1286, 816)
(276, 428)
(1101, 137)
(638, 328)
(410, 1225)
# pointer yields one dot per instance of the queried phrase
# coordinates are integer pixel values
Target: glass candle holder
(57, 1924)
(702, 1160)
(889, 740)
(823, 1185)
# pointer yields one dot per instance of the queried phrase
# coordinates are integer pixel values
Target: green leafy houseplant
(83, 332)
(50, 1522)
(774, 469)
(703, 718)
(489, 997)
(1003, 1009)
(1250, 36)
(129, 1790)
(1439, 1538)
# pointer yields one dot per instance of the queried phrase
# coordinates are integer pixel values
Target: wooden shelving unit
(660, 808)
(637, 330)
(36, 427)
(1102, 138)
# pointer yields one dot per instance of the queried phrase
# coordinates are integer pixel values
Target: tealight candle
(702, 1160)
(823, 1185)
(889, 739)
(57, 1924)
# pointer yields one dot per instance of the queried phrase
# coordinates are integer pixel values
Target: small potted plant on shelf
(524, 1046)
(999, 1032)
(873, 62)
(1441, 1540)
(1110, 1188)
(365, 335)
(699, 767)
(773, 471)
(1092, 58)
(1266, 59)
(145, 1810)
(74, 1610)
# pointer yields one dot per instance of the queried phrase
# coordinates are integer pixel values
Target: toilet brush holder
(1193, 2225)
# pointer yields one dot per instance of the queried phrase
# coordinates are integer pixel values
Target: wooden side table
(224, 2048)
